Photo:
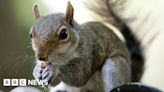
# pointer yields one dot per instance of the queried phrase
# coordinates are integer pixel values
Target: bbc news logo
(23, 82)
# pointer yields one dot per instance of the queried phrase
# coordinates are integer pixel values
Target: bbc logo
(14, 82)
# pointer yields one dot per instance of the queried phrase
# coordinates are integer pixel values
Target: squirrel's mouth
(45, 64)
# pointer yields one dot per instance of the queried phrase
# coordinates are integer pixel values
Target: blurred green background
(16, 56)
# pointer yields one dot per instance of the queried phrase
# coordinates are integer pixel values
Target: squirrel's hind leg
(115, 72)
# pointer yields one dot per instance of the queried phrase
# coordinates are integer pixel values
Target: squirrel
(88, 57)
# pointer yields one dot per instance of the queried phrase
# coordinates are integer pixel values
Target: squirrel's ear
(69, 13)
(36, 12)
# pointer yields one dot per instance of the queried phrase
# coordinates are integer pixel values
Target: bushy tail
(103, 10)
(135, 52)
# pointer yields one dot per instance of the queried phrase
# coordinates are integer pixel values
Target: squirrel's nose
(42, 54)
(42, 57)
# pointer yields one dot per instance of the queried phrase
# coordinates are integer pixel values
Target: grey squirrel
(89, 57)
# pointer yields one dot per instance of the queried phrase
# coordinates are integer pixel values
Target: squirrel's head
(53, 34)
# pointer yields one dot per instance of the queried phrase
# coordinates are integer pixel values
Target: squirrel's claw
(37, 72)
(47, 74)
(41, 73)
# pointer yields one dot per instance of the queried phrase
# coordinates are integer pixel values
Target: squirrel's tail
(103, 10)
(136, 54)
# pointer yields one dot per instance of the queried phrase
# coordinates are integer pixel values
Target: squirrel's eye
(63, 33)
(31, 36)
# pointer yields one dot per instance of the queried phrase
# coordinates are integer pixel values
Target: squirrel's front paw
(42, 73)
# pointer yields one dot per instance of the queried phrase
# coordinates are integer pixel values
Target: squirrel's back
(104, 40)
